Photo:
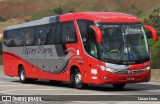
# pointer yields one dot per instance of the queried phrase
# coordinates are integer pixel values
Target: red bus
(81, 48)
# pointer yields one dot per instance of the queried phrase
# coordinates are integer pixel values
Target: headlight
(102, 67)
(112, 70)
(108, 69)
(147, 68)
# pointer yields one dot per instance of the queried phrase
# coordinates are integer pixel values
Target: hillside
(35, 9)
(16, 8)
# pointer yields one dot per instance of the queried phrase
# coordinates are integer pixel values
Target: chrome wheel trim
(22, 75)
(78, 79)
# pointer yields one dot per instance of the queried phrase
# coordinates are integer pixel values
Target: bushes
(58, 10)
(154, 20)
(155, 53)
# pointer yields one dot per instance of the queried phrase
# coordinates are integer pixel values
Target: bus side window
(5, 38)
(18, 38)
(42, 33)
(92, 48)
(83, 27)
(11, 41)
(28, 36)
(68, 32)
(36, 38)
(52, 36)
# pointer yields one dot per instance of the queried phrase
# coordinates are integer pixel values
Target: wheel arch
(73, 71)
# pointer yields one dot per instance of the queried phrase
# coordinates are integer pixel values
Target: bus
(81, 48)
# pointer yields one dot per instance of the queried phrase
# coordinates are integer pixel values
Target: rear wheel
(119, 86)
(22, 75)
(77, 80)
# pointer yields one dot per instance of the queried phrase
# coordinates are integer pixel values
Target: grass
(42, 14)
(9, 23)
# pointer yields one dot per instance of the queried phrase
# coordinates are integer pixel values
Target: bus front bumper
(114, 78)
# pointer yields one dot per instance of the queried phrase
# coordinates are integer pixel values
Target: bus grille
(138, 71)
(122, 72)
(130, 72)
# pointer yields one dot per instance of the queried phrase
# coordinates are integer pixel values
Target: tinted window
(28, 36)
(9, 38)
(68, 32)
(92, 47)
(5, 38)
(53, 35)
(18, 37)
(83, 28)
(40, 35)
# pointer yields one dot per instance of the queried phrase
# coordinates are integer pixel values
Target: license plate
(130, 78)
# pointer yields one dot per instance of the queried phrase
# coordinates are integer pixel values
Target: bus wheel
(22, 75)
(77, 80)
(119, 86)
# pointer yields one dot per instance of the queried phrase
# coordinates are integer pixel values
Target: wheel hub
(78, 79)
(22, 75)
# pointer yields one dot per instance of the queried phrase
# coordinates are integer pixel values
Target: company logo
(21, 98)
(129, 71)
(6, 98)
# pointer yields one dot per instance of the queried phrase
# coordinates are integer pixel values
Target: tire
(22, 75)
(77, 80)
(119, 86)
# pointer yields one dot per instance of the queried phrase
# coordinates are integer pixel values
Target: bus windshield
(123, 43)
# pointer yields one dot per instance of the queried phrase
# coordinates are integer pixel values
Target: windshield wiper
(134, 49)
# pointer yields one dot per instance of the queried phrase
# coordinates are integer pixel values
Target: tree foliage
(154, 20)
(58, 10)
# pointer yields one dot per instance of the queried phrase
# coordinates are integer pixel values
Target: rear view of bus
(81, 48)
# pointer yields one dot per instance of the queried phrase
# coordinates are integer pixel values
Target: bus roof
(45, 20)
(111, 17)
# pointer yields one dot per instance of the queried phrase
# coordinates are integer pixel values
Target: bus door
(92, 50)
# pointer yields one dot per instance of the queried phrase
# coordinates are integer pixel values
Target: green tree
(154, 20)
(58, 10)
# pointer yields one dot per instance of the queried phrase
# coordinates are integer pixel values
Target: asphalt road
(12, 86)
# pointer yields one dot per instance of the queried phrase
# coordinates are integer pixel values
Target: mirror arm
(154, 33)
(98, 33)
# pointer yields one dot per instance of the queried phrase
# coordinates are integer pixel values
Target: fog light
(105, 78)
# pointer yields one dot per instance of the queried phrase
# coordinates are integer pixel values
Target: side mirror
(98, 33)
(153, 31)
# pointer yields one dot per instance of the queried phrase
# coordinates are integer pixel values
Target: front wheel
(22, 75)
(77, 80)
(119, 86)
